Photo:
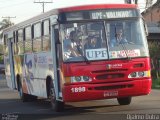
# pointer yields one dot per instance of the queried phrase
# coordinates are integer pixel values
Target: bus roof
(97, 6)
(67, 9)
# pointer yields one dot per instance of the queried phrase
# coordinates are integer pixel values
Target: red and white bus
(39, 64)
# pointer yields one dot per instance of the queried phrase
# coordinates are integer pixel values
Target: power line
(43, 4)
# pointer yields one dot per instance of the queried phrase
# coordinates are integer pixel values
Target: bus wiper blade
(84, 56)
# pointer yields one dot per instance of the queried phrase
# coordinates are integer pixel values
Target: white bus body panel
(36, 68)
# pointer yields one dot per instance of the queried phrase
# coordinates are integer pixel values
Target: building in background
(152, 17)
(152, 14)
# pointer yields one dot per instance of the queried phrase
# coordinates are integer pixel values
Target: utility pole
(9, 19)
(43, 2)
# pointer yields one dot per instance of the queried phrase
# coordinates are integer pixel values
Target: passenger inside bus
(119, 39)
(70, 46)
(92, 43)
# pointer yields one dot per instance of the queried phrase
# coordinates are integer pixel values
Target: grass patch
(156, 83)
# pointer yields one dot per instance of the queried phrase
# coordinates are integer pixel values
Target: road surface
(141, 107)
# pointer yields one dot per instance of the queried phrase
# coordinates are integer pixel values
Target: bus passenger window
(20, 43)
(46, 41)
(37, 37)
(15, 43)
(5, 45)
(28, 39)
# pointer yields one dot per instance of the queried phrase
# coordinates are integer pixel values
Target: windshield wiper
(81, 53)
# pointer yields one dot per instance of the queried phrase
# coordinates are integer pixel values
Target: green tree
(154, 49)
(4, 24)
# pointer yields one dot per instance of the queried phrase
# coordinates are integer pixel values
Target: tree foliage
(4, 24)
(154, 49)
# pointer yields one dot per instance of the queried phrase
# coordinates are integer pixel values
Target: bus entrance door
(56, 62)
(11, 78)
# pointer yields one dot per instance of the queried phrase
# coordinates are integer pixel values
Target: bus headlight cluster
(139, 74)
(80, 79)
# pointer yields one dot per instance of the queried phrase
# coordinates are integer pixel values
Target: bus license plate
(110, 93)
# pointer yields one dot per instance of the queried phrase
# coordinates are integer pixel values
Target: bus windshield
(103, 40)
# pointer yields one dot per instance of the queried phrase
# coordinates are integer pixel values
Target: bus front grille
(110, 71)
(113, 87)
(109, 76)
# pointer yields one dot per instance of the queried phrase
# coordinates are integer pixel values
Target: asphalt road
(147, 107)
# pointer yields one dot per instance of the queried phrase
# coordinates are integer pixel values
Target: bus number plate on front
(110, 93)
(78, 89)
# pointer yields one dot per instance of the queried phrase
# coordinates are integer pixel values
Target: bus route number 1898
(78, 89)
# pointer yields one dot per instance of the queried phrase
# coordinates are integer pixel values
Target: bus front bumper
(83, 92)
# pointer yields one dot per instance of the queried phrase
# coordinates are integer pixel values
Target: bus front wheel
(124, 101)
(57, 106)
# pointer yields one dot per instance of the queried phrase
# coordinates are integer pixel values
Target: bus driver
(119, 39)
(69, 45)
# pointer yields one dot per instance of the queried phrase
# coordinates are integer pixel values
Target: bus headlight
(139, 74)
(134, 74)
(77, 79)
(80, 79)
(86, 78)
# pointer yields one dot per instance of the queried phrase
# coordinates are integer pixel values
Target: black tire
(25, 97)
(57, 106)
(124, 101)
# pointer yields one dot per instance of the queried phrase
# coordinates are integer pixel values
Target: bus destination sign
(112, 14)
(99, 14)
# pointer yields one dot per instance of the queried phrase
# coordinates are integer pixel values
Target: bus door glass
(56, 50)
(10, 64)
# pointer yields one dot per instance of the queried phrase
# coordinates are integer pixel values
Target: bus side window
(5, 45)
(15, 43)
(20, 42)
(28, 39)
(37, 37)
(46, 41)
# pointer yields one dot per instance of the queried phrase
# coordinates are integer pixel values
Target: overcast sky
(25, 9)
